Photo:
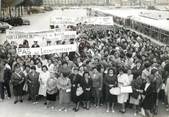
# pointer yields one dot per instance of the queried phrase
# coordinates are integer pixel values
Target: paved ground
(27, 109)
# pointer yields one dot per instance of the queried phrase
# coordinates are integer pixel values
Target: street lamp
(0, 8)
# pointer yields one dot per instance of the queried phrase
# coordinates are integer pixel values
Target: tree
(7, 4)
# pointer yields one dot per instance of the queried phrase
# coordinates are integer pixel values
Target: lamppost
(0, 8)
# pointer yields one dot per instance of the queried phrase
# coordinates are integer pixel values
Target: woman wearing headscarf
(75, 84)
(110, 81)
(33, 84)
(87, 88)
(64, 87)
(17, 81)
(51, 91)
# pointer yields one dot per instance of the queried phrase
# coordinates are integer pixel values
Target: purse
(126, 89)
(79, 91)
(115, 91)
(25, 87)
(68, 90)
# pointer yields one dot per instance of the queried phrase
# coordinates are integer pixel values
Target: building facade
(104, 2)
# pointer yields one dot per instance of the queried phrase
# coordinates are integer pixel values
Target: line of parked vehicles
(10, 22)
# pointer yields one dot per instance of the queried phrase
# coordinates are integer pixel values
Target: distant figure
(35, 45)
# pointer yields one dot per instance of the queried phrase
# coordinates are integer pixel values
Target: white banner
(47, 50)
(42, 37)
(60, 21)
(99, 20)
(28, 51)
(19, 35)
(69, 34)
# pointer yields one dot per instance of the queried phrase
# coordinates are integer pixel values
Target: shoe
(45, 103)
(122, 111)
(35, 103)
(113, 111)
(1, 100)
(65, 110)
(167, 109)
(76, 110)
(21, 101)
(8, 98)
(135, 114)
(107, 111)
(87, 108)
(15, 102)
(61, 109)
(29, 99)
(52, 107)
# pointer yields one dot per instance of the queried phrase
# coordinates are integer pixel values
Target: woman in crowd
(64, 68)
(87, 88)
(43, 77)
(75, 85)
(52, 91)
(50, 66)
(39, 67)
(18, 79)
(33, 84)
(97, 86)
(64, 87)
(2, 96)
(135, 97)
(167, 91)
(123, 80)
(150, 94)
(110, 81)
(81, 70)
(7, 78)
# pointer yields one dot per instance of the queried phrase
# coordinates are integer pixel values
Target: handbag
(79, 91)
(25, 87)
(135, 94)
(68, 90)
(126, 89)
(115, 91)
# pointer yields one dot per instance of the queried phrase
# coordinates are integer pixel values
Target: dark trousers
(2, 90)
(7, 86)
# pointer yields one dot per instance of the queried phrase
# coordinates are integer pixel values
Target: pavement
(27, 109)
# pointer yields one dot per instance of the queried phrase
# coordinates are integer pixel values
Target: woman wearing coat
(75, 84)
(150, 95)
(167, 92)
(64, 87)
(97, 85)
(33, 84)
(123, 80)
(136, 95)
(52, 91)
(87, 88)
(109, 82)
(43, 77)
(17, 80)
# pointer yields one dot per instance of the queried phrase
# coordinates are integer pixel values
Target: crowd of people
(105, 59)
